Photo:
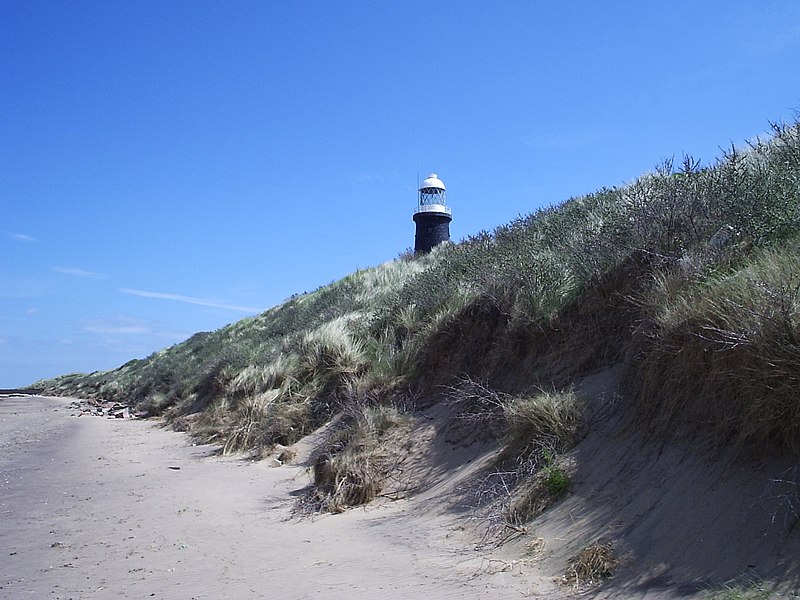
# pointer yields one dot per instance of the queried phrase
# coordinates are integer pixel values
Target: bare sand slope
(104, 508)
(683, 522)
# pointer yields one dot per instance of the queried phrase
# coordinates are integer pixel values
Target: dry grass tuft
(254, 379)
(591, 565)
(345, 483)
(280, 401)
(361, 459)
(264, 420)
(547, 419)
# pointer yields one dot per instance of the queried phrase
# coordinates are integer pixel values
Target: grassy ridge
(689, 276)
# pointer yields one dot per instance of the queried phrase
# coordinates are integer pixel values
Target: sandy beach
(111, 508)
(96, 507)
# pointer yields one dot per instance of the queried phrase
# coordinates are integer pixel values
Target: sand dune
(117, 508)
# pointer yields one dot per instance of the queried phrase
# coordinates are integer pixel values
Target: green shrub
(540, 484)
(557, 481)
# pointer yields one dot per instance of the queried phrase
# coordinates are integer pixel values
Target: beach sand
(111, 508)
(95, 507)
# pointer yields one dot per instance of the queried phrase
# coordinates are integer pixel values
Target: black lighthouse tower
(432, 216)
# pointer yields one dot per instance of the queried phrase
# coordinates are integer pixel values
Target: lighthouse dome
(432, 181)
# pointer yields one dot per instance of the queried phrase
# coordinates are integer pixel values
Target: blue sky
(170, 167)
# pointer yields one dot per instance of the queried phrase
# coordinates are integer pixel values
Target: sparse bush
(531, 474)
(477, 403)
(556, 480)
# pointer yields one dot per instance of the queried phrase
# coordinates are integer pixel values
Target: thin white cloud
(130, 336)
(31, 311)
(21, 237)
(118, 325)
(189, 300)
(116, 329)
(78, 273)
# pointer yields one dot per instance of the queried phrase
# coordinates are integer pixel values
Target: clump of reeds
(283, 400)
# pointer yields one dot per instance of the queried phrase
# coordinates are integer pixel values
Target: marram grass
(711, 340)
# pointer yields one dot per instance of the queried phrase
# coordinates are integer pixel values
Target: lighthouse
(432, 215)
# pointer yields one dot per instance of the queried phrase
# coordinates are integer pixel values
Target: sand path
(104, 508)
